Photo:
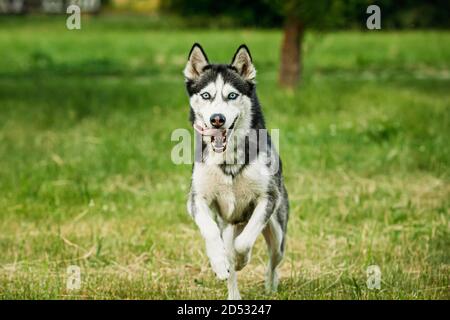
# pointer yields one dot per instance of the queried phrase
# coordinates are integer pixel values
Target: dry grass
(86, 176)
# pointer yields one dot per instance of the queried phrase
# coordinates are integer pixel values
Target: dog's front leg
(244, 242)
(215, 248)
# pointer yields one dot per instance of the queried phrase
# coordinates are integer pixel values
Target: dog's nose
(217, 120)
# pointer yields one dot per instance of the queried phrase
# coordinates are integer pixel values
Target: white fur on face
(219, 103)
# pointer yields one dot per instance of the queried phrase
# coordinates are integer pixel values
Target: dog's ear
(242, 61)
(196, 62)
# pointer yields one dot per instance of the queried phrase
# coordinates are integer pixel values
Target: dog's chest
(234, 198)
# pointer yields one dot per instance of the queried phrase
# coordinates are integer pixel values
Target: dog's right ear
(196, 62)
(242, 62)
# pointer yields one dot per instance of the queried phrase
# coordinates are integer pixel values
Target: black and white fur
(232, 203)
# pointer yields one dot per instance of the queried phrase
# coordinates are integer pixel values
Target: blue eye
(232, 96)
(205, 96)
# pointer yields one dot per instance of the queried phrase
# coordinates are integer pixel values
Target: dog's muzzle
(219, 137)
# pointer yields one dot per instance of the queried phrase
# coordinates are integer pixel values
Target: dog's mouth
(219, 137)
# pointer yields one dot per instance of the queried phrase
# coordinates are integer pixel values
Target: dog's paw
(221, 267)
(242, 246)
(218, 259)
(243, 252)
(271, 284)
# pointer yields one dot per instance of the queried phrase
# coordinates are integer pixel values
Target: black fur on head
(240, 72)
(199, 72)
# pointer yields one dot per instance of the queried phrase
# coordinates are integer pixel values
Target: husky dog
(235, 192)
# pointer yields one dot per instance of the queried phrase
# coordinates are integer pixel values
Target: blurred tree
(298, 15)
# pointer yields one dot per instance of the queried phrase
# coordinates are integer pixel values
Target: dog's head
(220, 94)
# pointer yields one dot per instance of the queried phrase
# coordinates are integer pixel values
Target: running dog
(237, 189)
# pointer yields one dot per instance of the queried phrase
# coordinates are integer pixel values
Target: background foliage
(86, 176)
(338, 14)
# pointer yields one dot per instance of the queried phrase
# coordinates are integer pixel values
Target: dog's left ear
(242, 61)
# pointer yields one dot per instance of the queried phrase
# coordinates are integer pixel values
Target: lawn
(86, 177)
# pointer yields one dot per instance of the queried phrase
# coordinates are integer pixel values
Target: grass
(86, 177)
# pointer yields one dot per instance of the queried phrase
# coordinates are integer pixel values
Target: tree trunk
(291, 53)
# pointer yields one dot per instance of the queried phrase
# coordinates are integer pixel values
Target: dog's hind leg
(274, 236)
(228, 236)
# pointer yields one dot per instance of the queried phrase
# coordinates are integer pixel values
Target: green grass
(86, 176)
